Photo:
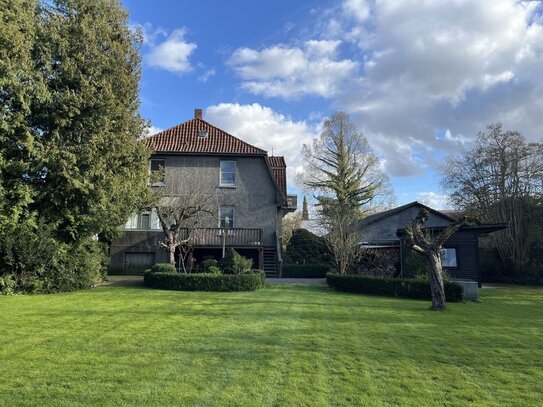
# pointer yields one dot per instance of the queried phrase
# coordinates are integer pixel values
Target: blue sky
(420, 79)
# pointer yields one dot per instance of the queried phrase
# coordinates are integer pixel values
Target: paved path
(123, 281)
(306, 281)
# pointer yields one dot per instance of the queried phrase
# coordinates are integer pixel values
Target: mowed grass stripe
(283, 345)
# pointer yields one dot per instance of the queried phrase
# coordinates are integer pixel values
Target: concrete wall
(253, 197)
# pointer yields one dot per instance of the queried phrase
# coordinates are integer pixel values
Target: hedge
(163, 268)
(205, 281)
(391, 287)
(305, 270)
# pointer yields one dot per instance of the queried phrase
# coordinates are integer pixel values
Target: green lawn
(283, 345)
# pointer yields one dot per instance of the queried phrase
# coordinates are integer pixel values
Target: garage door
(137, 263)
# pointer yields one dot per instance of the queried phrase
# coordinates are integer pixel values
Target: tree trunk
(171, 253)
(436, 282)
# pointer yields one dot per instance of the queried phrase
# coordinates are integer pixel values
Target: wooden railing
(215, 236)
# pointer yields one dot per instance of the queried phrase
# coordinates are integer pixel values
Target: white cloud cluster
(459, 65)
(290, 72)
(434, 200)
(414, 67)
(266, 129)
(172, 54)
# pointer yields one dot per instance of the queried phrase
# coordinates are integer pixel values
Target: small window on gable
(202, 133)
(448, 257)
(228, 174)
(156, 168)
(226, 217)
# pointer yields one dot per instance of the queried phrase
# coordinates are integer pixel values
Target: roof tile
(184, 138)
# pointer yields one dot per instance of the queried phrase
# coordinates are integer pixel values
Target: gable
(187, 138)
(383, 226)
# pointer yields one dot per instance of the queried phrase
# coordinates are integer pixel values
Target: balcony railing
(215, 236)
(292, 202)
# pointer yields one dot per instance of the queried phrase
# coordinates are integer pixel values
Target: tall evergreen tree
(70, 160)
(305, 212)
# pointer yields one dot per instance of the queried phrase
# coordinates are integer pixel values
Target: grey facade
(258, 201)
(384, 230)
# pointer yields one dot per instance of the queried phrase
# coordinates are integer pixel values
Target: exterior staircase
(270, 262)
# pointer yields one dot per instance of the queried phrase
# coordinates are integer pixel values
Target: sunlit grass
(283, 345)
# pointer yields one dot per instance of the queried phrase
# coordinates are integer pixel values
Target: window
(144, 220)
(226, 217)
(448, 257)
(156, 168)
(228, 174)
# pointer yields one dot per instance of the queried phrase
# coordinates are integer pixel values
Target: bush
(306, 247)
(207, 264)
(305, 270)
(391, 287)
(7, 285)
(383, 262)
(205, 281)
(38, 262)
(234, 263)
(163, 268)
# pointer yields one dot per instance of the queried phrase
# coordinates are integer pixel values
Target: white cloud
(204, 77)
(172, 54)
(290, 72)
(433, 200)
(152, 130)
(413, 67)
(457, 65)
(264, 128)
(360, 9)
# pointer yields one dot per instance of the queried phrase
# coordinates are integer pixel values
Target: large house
(249, 187)
(460, 257)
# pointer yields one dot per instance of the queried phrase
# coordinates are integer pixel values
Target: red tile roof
(279, 168)
(184, 138)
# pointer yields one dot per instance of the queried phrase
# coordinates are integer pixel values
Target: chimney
(198, 113)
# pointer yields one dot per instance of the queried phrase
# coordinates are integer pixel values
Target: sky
(420, 78)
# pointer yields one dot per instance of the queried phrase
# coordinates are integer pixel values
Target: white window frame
(233, 185)
(135, 222)
(443, 251)
(233, 216)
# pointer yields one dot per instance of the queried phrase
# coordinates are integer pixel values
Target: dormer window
(202, 134)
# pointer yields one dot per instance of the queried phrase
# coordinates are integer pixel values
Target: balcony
(213, 237)
(292, 202)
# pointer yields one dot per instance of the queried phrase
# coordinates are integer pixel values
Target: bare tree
(290, 223)
(430, 244)
(501, 180)
(342, 239)
(181, 208)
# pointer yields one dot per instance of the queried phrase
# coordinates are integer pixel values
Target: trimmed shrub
(305, 270)
(205, 281)
(235, 263)
(163, 268)
(391, 287)
(207, 264)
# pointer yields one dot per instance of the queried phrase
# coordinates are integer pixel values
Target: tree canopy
(501, 180)
(69, 122)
